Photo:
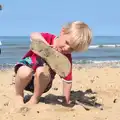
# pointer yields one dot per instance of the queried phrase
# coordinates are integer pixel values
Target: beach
(87, 32)
(96, 90)
(96, 82)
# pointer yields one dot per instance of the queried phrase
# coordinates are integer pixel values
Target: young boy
(75, 36)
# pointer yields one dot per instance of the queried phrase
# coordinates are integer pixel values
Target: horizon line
(29, 36)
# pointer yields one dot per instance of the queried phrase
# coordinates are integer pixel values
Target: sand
(99, 87)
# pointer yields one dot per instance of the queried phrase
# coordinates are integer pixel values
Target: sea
(102, 49)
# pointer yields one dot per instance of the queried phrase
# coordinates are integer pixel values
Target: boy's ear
(62, 31)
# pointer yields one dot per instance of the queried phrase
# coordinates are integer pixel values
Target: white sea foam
(94, 61)
(0, 43)
(104, 46)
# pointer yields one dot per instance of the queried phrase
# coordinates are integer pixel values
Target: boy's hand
(67, 104)
(52, 46)
(59, 45)
(56, 48)
(63, 101)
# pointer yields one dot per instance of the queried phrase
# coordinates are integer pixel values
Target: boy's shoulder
(49, 37)
(47, 34)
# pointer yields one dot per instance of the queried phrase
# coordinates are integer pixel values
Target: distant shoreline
(76, 66)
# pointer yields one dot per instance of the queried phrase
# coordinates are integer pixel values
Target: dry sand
(92, 85)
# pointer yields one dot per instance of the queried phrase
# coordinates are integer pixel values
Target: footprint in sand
(20, 109)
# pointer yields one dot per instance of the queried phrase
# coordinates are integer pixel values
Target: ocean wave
(95, 61)
(6, 65)
(113, 63)
(104, 46)
(26, 46)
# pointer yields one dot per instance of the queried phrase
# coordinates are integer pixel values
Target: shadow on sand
(85, 99)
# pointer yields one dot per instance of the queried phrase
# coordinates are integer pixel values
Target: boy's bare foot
(33, 100)
(19, 100)
(18, 104)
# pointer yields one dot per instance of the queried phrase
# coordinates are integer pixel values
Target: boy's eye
(71, 49)
(67, 42)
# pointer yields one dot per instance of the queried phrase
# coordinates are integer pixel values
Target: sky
(22, 17)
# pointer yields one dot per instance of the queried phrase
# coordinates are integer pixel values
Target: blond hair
(81, 35)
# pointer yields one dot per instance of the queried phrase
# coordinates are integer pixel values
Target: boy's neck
(55, 40)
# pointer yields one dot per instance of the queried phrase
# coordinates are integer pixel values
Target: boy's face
(63, 43)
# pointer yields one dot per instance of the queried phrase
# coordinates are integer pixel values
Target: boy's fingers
(57, 48)
(51, 46)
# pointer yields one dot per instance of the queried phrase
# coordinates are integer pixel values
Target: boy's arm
(38, 36)
(66, 91)
(67, 82)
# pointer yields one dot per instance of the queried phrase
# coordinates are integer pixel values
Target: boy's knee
(24, 72)
(39, 70)
(42, 70)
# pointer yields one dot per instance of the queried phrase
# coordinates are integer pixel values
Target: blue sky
(21, 17)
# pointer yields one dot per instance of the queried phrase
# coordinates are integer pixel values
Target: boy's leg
(41, 80)
(23, 77)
